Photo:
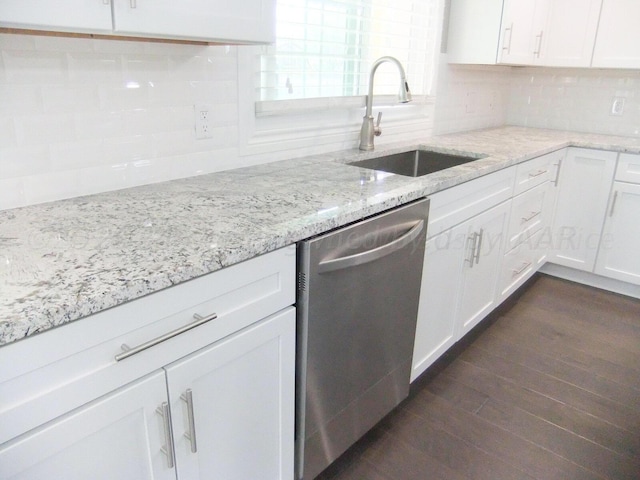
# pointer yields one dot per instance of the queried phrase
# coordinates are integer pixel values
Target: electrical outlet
(470, 106)
(617, 106)
(202, 114)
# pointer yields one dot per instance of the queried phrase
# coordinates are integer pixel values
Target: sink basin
(414, 163)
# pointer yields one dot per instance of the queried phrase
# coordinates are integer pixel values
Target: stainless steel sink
(415, 163)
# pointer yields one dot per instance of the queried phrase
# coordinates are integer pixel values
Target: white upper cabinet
(63, 15)
(249, 21)
(522, 28)
(523, 32)
(618, 41)
(569, 34)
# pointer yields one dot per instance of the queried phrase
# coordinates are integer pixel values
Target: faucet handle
(377, 131)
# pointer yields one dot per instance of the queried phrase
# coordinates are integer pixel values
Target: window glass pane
(326, 48)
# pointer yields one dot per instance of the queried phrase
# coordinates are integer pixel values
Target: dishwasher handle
(373, 254)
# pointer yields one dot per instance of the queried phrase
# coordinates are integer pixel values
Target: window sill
(305, 105)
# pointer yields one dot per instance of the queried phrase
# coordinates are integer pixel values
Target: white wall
(80, 116)
(574, 99)
(470, 97)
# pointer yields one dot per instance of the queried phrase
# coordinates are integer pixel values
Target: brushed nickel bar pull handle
(133, 3)
(559, 164)
(613, 203)
(477, 254)
(538, 173)
(530, 217)
(508, 47)
(537, 51)
(167, 449)
(128, 351)
(522, 269)
(187, 397)
(473, 238)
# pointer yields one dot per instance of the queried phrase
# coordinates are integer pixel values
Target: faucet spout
(368, 130)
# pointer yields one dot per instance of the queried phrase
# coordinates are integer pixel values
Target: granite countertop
(64, 260)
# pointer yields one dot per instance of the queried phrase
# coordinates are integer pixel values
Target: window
(325, 48)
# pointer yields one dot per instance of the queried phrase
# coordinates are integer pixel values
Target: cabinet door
(239, 421)
(522, 24)
(74, 15)
(618, 254)
(250, 21)
(119, 436)
(618, 41)
(441, 279)
(569, 33)
(583, 189)
(481, 266)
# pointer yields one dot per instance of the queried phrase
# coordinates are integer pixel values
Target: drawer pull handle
(128, 351)
(521, 269)
(167, 449)
(477, 254)
(557, 179)
(530, 217)
(613, 203)
(187, 397)
(538, 173)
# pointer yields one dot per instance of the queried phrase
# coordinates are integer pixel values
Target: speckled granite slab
(65, 260)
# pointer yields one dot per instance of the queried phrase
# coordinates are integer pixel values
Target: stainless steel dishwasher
(357, 304)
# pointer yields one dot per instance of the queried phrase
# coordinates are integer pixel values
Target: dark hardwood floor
(547, 387)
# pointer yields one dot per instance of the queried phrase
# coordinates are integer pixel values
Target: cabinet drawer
(628, 169)
(457, 204)
(76, 362)
(528, 215)
(537, 171)
(520, 263)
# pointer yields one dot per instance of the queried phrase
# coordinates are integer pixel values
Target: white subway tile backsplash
(41, 128)
(94, 68)
(33, 67)
(70, 98)
(575, 99)
(16, 97)
(24, 161)
(77, 154)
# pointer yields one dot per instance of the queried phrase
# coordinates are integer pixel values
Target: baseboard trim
(591, 279)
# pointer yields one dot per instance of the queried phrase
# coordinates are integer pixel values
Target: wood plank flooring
(547, 387)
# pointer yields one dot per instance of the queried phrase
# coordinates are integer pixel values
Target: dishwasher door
(357, 306)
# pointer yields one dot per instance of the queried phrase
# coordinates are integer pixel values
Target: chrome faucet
(368, 129)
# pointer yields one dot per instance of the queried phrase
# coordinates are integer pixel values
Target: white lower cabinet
(481, 266)
(232, 405)
(618, 253)
(461, 264)
(583, 190)
(229, 414)
(117, 436)
(204, 399)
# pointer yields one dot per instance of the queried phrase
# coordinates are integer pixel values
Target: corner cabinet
(584, 184)
(250, 21)
(213, 401)
(618, 252)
